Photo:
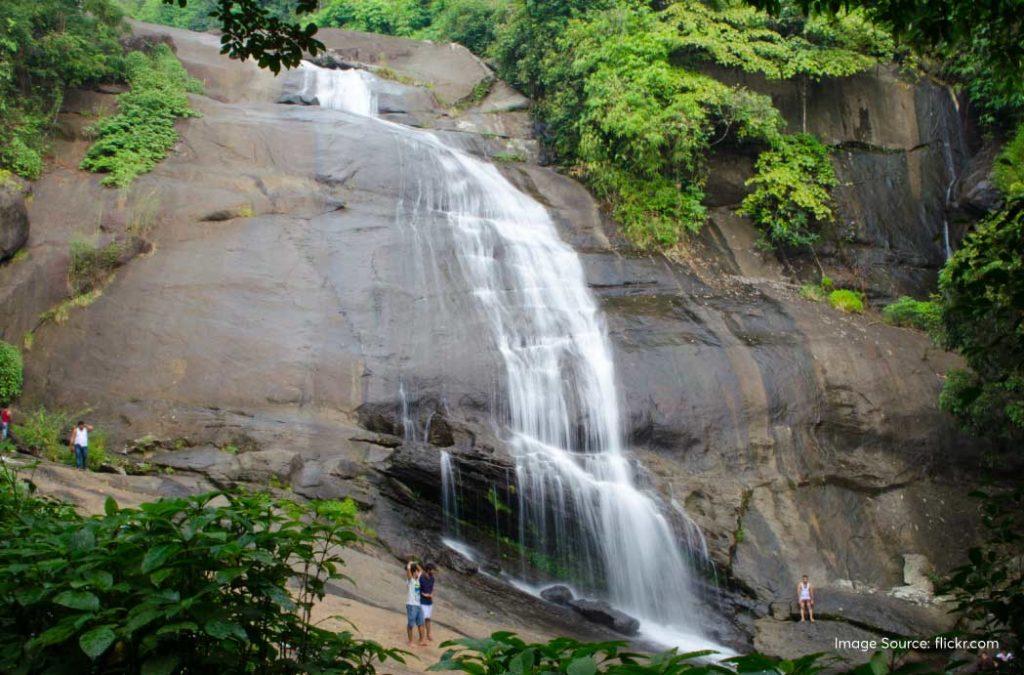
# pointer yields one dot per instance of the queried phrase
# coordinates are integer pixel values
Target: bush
(846, 300)
(44, 433)
(141, 134)
(1008, 169)
(221, 582)
(90, 266)
(11, 372)
(813, 292)
(924, 315)
(791, 190)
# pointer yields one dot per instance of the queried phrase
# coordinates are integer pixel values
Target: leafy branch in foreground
(504, 652)
(251, 30)
(989, 588)
(221, 582)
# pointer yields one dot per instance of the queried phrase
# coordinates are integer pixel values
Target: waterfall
(450, 495)
(339, 89)
(579, 506)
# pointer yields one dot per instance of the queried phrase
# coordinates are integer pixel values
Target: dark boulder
(560, 595)
(13, 215)
(294, 98)
(601, 612)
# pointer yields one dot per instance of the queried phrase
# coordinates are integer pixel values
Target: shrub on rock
(11, 372)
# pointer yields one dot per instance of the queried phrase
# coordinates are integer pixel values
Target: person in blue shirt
(413, 608)
(427, 595)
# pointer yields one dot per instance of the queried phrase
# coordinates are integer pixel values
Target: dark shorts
(413, 615)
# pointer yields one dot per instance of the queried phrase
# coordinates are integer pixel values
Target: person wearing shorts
(805, 596)
(413, 606)
(427, 596)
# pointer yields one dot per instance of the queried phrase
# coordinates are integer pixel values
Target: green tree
(47, 46)
(11, 372)
(982, 290)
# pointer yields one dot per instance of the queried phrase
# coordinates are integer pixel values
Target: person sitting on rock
(413, 607)
(79, 443)
(427, 596)
(805, 597)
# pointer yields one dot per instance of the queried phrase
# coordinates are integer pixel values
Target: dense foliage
(47, 46)
(504, 652)
(627, 105)
(199, 14)
(983, 38)
(924, 315)
(142, 132)
(791, 186)
(212, 583)
(11, 372)
(1008, 170)
(982, 289)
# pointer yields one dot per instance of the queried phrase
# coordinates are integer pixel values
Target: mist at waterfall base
(577, 502)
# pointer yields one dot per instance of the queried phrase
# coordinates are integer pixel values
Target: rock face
(13, 215)
(899, 152)
(282, 331)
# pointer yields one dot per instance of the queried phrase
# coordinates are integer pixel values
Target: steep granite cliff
(282, 313)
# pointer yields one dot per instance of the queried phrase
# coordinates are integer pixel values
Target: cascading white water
(339, 89)
(450, 494)
(577, 499)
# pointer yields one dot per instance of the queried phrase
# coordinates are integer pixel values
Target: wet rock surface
(305, 337)
(560, 595)
(602, 613)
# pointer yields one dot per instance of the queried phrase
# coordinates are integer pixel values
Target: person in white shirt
(79, 443)
(413, 606)
(805, 596)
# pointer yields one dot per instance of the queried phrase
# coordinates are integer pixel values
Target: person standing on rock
(5, 423)
(413, 605)
(805, 596)
(427, 596)
(79, 443)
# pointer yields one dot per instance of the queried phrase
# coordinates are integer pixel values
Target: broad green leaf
(158, 555)
(582, 666)
(223, 630)
(82, 600)
(96, 641)
(110, 506)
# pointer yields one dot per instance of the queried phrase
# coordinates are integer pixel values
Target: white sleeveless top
(81, 437)
(805, 591)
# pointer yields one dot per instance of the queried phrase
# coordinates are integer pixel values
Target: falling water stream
(578, 500)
